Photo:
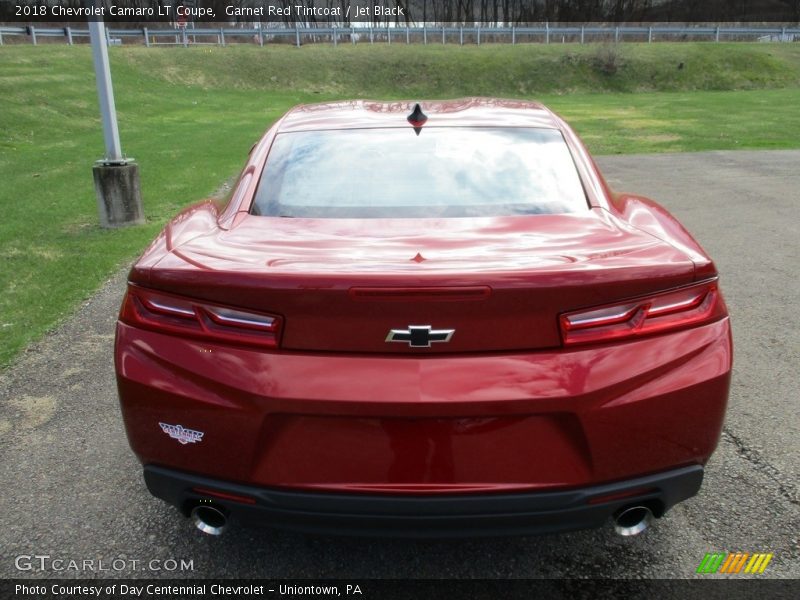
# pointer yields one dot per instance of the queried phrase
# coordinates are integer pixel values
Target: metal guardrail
(407, 35)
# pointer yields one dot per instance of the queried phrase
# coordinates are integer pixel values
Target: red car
(423, 320)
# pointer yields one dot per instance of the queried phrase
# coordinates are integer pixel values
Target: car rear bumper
(426, 516)
(464, 424)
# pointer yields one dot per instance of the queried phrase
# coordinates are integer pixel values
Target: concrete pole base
(119, 198)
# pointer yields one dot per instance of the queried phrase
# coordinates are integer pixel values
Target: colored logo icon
(734, 562)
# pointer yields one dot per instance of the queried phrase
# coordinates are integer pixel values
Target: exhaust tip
(209, 519)
(632, 520)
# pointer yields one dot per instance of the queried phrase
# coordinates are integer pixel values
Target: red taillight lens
(678, 309)
(169, 313)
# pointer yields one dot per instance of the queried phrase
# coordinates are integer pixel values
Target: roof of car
(465, 112)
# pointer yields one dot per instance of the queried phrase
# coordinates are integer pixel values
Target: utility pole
(116, 178)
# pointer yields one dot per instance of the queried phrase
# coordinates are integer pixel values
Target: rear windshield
(442, 172)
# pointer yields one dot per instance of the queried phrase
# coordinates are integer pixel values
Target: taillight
(169, 313)
(668, 311)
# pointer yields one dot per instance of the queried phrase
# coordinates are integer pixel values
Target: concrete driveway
(71, 489)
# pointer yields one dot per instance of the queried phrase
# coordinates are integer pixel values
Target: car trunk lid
(422, 285)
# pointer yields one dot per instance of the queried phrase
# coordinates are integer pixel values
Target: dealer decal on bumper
(184, 436)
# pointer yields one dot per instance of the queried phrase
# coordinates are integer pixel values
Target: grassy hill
(190, 115)
(488, 70)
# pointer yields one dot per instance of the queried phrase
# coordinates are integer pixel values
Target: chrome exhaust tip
(209, 519)
(632, 520)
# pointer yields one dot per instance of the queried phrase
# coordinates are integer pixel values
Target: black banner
(527, 589)
(309, 13)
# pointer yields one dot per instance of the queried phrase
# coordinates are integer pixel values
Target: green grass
(489, 70)
(189, 117)
(683, 122)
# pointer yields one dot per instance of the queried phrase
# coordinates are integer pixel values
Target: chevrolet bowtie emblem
(420, 336)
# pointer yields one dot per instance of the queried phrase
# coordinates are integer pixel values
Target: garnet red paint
(504, 406)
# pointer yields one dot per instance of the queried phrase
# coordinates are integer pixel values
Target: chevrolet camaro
(423, 319)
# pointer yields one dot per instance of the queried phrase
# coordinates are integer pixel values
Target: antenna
(417, 118)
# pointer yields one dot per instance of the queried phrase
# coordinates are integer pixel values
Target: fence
(408, 35)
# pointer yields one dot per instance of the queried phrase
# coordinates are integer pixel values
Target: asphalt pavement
(70, 488)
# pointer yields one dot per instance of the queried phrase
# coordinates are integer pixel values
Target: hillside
(488, 70)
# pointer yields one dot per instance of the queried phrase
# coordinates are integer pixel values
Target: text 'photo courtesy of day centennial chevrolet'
(423, 319)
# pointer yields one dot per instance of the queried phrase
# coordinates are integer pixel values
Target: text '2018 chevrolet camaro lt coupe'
(429, 319)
